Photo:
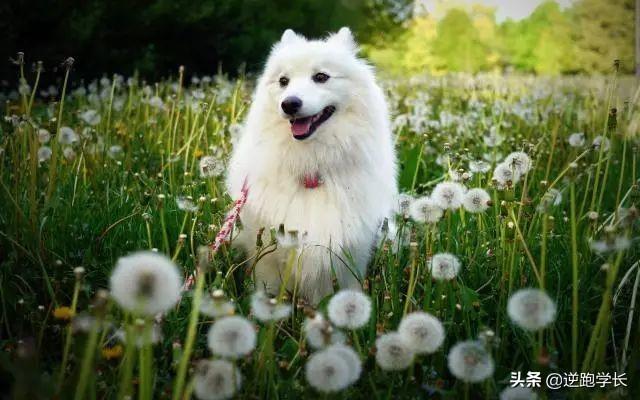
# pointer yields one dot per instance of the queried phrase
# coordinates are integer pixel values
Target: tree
(604, 32)
(458, 46)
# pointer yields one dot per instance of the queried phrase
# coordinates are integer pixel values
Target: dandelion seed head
(232, 337)
(504, 175)
(550, 198)
(448, 195)
(137, 335)
(444, 266)
(493, 139)
(327, 372)
(44, 154)
(266, 309)
(217, 306)
(476, 200)
(531, 309)
(145, 282)
(156, 102)
(115, 152)
(350, 358)
(67, 136)
(469, 361)
(216, 380)
(422, 331)
(90, 117)
(185, 203)
(600, 140)
(425, 210)
(349, 309)
(43, 136)
(69, 153)
(576, 139)
(403, 203)
(479, 166)
(210, 167)
(319, 332)
(393, 353)
(519, 161)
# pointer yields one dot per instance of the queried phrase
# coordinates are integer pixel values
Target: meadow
(93, 172)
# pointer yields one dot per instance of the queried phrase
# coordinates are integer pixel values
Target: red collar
(311, 181)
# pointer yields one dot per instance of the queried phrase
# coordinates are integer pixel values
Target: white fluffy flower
(349, 309)
(393, 353)
(460, 175)
(156, 102)
(232, 337)
(210, 167)
(146, 282)
(266, 308)
(67, 135)
(115, 152)
(448, 195)
(185, 203)
(476, 200)
(351, 358)
(518, 393)
(216, 380)
(518, 161)
(403, 204)
(469, 361)
(69, 153)
(576, 139)
(531, 309)
(425, 210)
(493, 139)
(90, 117)
(444, 266)
(320, 333)
(44, 153)
(138, 335)
(327, 371)
(505, 175)
(479, 166)
(43, 136)
(552, 197)
(217, 305)
(422, 331)
(599, 140)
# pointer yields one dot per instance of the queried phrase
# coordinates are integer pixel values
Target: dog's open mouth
(304, 127)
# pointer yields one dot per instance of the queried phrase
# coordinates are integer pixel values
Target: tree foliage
(585, 38)
(155, 36)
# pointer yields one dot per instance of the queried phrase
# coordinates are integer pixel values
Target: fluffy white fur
(352, 152)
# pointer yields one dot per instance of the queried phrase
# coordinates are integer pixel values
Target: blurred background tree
(583, 38)
(153, 37)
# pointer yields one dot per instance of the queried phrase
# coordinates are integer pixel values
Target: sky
(515, 9)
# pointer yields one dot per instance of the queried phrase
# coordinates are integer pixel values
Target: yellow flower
(198, 153)
(63, 313)
(111, 353)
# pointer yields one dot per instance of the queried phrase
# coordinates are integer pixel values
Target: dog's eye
(320, 77)
(284, 81)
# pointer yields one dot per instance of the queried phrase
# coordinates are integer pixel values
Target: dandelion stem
(191, 333)
(69, 337)
(574, 283)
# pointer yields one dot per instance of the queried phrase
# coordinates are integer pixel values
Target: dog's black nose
(291, 105)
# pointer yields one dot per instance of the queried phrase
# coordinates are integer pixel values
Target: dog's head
(308, 84)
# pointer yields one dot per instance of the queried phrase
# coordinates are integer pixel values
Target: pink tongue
(301, 127)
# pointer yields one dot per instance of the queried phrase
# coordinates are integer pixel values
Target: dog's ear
(289, 36)
(344, 38)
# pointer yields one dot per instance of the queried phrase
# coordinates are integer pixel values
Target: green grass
(102, 204)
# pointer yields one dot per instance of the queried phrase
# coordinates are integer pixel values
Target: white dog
(317, 155)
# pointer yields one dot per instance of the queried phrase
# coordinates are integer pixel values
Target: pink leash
(225, 230)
